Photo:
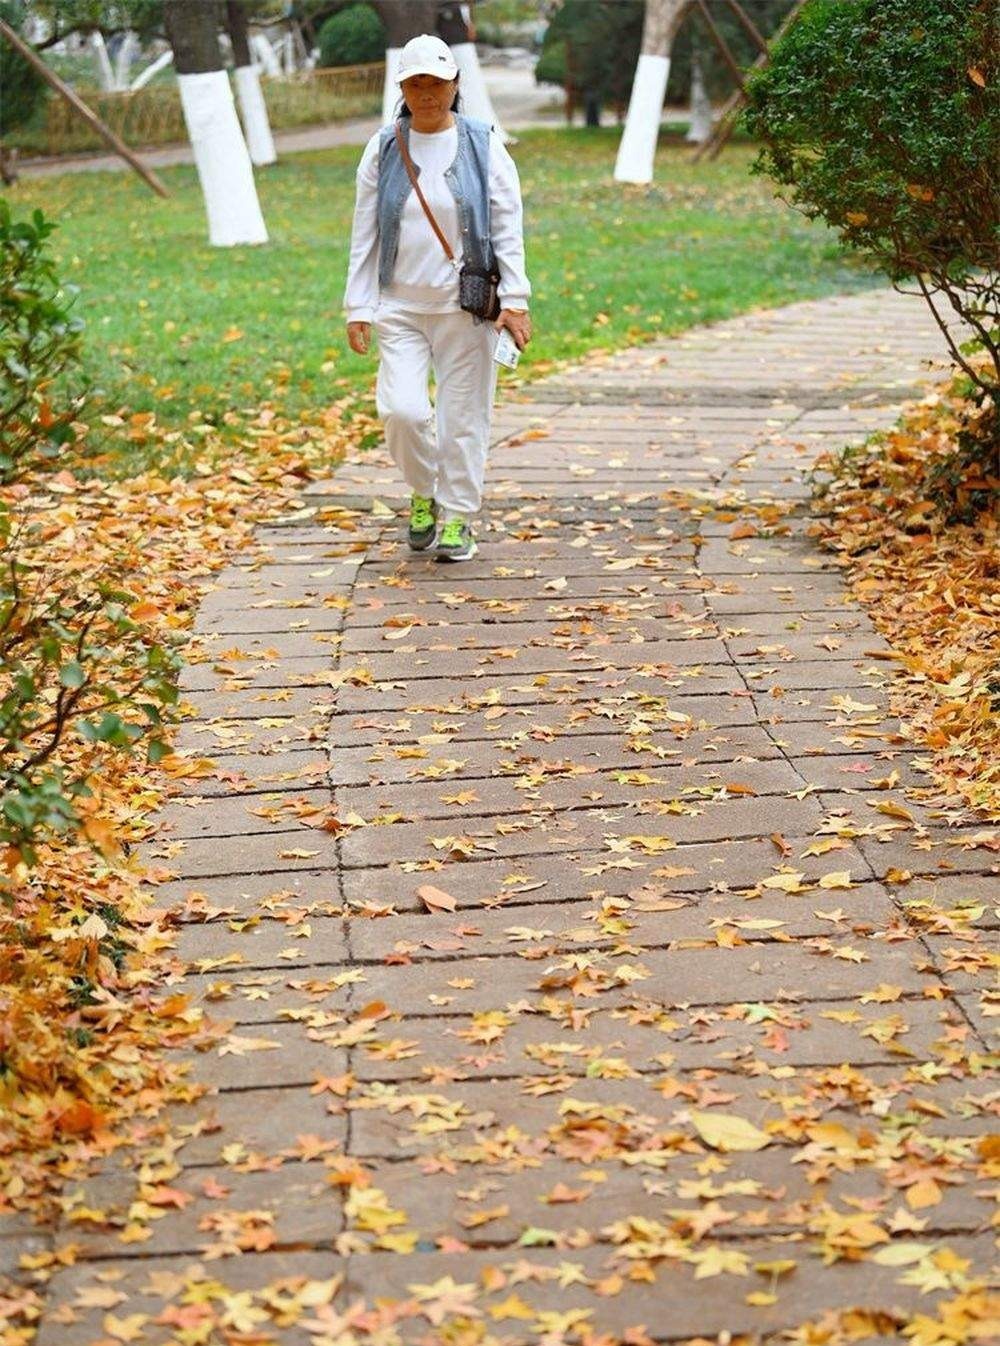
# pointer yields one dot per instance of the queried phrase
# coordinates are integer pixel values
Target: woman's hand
(518, 323)
(359, 337)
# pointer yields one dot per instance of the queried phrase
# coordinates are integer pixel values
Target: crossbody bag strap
(411, 173)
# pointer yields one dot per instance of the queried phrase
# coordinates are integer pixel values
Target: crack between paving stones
(729, 1236)
(524, 856)
(345, 920)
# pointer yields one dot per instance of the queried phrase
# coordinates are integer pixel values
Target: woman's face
(426, 95)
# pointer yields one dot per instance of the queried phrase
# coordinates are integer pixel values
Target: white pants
(446, 461)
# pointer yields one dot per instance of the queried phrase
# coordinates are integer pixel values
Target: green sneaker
(423, 522)
(456, 542)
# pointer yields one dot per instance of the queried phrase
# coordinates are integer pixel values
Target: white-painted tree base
(104, 71)
(253, 112)
(476, 101)
(143, 78)
(700, 128)
(127, 52)
(390, 90)
(263, 54)
(642, 125)
(222, 160)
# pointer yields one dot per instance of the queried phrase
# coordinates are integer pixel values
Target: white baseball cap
(426, 55)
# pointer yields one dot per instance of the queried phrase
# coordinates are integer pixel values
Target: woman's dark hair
(403, 111)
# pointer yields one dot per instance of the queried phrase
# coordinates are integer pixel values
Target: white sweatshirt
(424, 281)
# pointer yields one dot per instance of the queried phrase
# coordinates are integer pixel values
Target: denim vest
(469, 180)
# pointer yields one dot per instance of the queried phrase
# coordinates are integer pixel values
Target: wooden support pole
(748, 24)
(726, 124)
(79, 106)
(723, 45)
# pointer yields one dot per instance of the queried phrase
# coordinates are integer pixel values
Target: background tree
(452, 26)
(765, 14)
(402, 19)
(250, 96)
(638, 144)
(22, 89)
(220, 152)
(352, 36)
(883, 118)
(592, 46)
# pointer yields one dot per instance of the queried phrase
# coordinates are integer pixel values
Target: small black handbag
(478, 289)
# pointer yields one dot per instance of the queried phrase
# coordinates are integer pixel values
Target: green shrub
(39, 342)
(355, 36)
(76, 671)
(883, 118)
(22, 89)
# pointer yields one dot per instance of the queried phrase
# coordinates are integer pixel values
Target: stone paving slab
(443, 1206)
(301, 1204)
(147, 1288)
(424, 799)
(593, 827)
(672, 1305)
(537, 1054)
(516, 756)
(643, 746)
(695, 976)
(292, 1057)
(570, 875)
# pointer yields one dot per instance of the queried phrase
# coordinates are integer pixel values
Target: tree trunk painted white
(36, 29)
(249, 95)
(124, 57)
(104, 72)
(476, 101)
(222, 160)
(642, 125)
(264, 54)
(288, 54)
(701, 105)
(390, 89)
(253, 114)
(144, 76)
(401, 19)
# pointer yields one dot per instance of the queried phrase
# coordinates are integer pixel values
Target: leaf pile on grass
(914, 517)
(85, 1008)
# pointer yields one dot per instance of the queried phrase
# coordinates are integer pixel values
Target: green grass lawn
(177, 326)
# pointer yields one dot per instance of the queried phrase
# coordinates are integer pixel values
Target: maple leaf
(445, 1298)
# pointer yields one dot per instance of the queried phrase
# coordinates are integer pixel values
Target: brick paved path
(639, 747)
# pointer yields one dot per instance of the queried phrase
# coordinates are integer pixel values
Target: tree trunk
(402, 20)
(220, 152)
(701, 105)
(239, 32)
(642, 125)
(105, 74)
(476, 101)
(266, 58)
(249, 95)
(192, 31)
(126, 53)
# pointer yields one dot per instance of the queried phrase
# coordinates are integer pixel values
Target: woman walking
(437, 267)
